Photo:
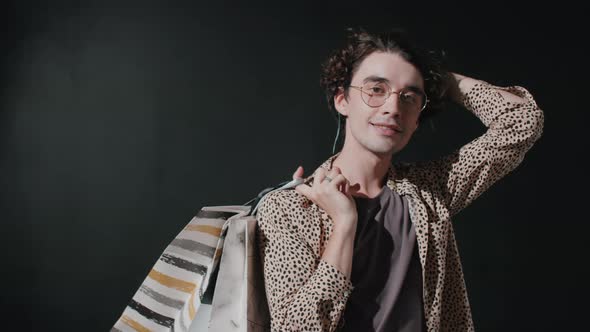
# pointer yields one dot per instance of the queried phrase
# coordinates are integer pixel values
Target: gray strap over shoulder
(255, 202)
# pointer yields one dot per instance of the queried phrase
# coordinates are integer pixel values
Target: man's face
(361, 130)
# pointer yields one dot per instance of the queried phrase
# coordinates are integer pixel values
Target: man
(365, 244)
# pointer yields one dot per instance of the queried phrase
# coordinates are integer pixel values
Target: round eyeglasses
(374, 94)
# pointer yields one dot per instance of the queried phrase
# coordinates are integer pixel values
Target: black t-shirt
(386, 271)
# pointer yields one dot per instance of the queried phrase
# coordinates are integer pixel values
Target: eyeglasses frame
(390, 92)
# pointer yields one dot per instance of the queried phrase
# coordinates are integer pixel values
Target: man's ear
(340, 102)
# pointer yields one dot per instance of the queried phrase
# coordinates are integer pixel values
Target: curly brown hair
(340, 67)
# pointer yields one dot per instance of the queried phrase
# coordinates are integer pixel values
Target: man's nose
(392, 105)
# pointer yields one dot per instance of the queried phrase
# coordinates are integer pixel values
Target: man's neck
(365, 171)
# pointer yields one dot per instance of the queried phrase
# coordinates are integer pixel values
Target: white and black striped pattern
(169, 297)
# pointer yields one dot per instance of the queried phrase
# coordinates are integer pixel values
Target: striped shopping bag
(172, 293)
(208, 279)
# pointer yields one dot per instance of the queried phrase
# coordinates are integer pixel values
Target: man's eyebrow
(375, 78)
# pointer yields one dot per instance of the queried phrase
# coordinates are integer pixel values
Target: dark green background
(120, 119)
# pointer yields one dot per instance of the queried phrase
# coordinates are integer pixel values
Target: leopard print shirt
(306, 293)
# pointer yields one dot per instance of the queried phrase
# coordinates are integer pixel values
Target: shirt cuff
(337, 286)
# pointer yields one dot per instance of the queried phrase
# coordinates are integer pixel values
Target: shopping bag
(239, 300)
(216, 253)
(172, 293)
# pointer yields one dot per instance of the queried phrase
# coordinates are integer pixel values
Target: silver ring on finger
(328, 178)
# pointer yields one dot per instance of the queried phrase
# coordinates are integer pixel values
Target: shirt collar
(393, 181)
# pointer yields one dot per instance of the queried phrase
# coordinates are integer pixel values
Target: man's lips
(391, 126)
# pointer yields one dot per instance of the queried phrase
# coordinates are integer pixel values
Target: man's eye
(409, 97)
(377, 90)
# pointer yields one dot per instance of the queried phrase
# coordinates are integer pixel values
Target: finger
(323, 173)
(319, 176)
(348, 190)
(338, 181)
(298, 173)
(304, 190)
(334, 172)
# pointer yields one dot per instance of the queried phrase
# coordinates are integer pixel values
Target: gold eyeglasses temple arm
(360, 88)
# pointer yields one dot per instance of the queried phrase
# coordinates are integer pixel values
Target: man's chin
(384, 153)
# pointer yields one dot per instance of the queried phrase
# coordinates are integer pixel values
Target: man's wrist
(460, 86)
(344, 232)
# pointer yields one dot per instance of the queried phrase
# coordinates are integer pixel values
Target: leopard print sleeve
(512, 129)
(304, 292)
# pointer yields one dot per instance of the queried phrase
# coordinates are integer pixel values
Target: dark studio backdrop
(120, 119)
